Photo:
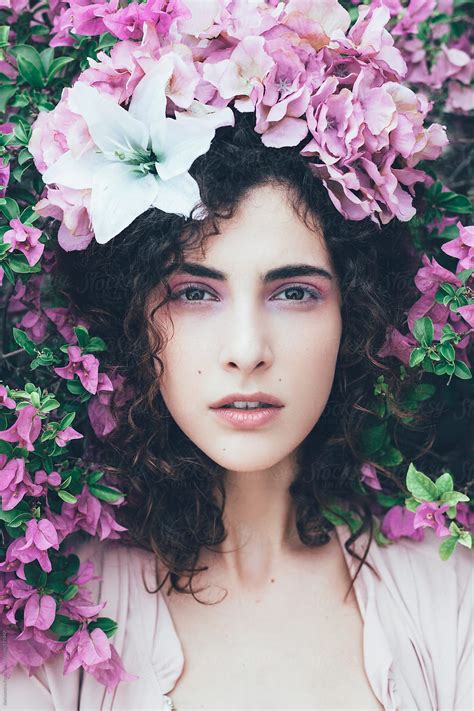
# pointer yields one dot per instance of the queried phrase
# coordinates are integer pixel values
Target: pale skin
(283, 637)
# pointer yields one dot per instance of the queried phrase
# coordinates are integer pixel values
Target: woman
(235, 590)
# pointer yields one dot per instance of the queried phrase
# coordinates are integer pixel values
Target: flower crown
(124, 137)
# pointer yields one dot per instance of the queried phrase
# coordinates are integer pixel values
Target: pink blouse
(416, 641)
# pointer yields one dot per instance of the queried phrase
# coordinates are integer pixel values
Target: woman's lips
(247, 419)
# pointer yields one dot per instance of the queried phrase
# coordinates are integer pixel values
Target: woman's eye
(296, 293)
(192, 291)
(293, 293)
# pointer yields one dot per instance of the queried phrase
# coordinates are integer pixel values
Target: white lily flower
(141, 157)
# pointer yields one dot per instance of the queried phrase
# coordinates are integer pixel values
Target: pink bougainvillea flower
(38, 538)
(397, 345)
(111, 671)
(40, 611)
(465, 516)
(467, 312)
(398, 522)
(369, 476)
(25, 238)
(15, 482)
(4, 178)
(35, 323)
(5, 400)
(53, 479)
(86, 648)
(25, 430)
(85, 366)
(430, 514)
(64, 322)
(66, 435)
(460, 98)
(462, 247)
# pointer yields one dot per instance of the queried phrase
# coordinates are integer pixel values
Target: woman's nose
(246, 341)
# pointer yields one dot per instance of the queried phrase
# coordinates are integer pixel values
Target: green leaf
(67, 497)
(64, 627)
(104, 623)
(424, 391)
(465, 539)
(96, 344)
(411, 504)
(19, 264)
(447, 547)
(105, 493)
(94, 477)
(373, 438)
(447, 351)
(67, 420)
(23, 341)
(453, 497)
(423, 330)
(391, 457)
(57, 65)
(462, 371)
(49, 404)
(444, 484)
(421, 486)
(452, 202)
(10, 208)
(82, 336)
(71, 592)
(417, 356)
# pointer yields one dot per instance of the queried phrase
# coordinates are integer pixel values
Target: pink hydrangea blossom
(85, 366)
(25, 430)
(399, 522)
(430, 514)
(24, 238)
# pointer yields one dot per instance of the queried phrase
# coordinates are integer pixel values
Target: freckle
(272, 580)
(199, 372)
(279, 380)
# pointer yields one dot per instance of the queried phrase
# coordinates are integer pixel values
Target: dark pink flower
(25, 430)
(15, 482)
(430, 514)
(369, 476)
(462, 247)
(25, 238)
(465, 516)
(398, 522)
(5, 400)
(40, 611)
(86, 367)
(62, 319)
(66, 435)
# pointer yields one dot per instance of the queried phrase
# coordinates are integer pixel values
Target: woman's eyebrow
(287, 271)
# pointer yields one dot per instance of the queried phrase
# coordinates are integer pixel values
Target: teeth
(241, 405)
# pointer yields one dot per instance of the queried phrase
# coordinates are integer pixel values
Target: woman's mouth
(247, 418)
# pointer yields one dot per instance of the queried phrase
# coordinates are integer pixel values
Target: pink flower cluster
(434, 63)
(307, 77)
(428, 279)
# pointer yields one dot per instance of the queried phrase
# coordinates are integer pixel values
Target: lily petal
(187, 139)
(75, 172)
(178, 195)
(118, 197)
(111, 127)
(148, 103)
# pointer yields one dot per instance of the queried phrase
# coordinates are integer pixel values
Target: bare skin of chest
(294, 644)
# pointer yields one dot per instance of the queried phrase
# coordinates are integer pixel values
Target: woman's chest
(257, 654)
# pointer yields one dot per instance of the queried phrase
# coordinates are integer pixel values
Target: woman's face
(246, 331)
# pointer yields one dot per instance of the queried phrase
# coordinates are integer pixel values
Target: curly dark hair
(175, 493)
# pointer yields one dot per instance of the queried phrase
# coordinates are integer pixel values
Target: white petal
(118, 197)
(186, 140)
(178, 195)
(110, 126)
(74, 172)
(148, 103)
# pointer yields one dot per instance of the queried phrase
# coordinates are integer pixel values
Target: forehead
(264, 231)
